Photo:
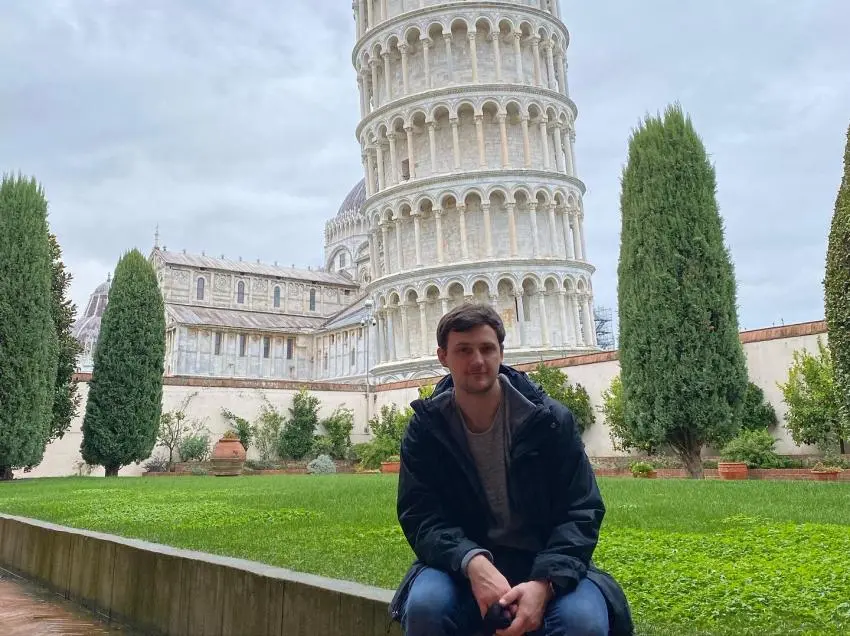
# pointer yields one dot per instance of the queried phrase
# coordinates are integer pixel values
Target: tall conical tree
(837, 290)
(683, 367)
(125, 394)
(28, 343)
(66, 400)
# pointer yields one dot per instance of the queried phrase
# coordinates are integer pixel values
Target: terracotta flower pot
(732, 470)
(228, 457)
(390, 467)
(825, 475)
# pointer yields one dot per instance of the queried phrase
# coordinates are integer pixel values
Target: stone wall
(162, 590)
(769, 355)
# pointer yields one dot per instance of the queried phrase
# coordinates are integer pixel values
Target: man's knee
(582, 613)
(432, 605)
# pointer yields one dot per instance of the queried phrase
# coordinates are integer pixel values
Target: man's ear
(441, 356)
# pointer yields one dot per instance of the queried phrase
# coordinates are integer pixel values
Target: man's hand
(488, 584)
(530, 599)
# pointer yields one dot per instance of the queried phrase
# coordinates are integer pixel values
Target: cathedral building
(471, 194)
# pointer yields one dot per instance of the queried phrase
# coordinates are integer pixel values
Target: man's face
(473, 358)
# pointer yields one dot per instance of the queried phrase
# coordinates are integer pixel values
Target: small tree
(125, 393)
(296, 441)
(175, 426)
(813, 402)
(757, 413)
(682, 364)
(28, 342)
(837, 291)
(575, 397)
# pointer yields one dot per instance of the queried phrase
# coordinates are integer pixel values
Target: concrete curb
(172, 591)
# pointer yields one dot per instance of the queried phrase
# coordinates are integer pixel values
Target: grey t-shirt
(490, 451)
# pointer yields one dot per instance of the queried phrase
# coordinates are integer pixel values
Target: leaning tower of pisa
(467, 133)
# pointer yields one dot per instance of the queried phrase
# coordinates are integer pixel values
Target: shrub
(195, 448)
(197, 471)
(622, 438)
(322, 445)
(242, 427)
(757, 412)
(575, 397)
(338, 429)
(296, 440)
(323, 464)
(157, 464)
(642, 469)
(755, 448)
(388, 428)
(426, 391)
(260, 464)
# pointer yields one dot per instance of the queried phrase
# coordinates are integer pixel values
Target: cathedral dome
(87, 328)
(354, 200)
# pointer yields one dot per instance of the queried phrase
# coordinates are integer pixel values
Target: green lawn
(709, 557)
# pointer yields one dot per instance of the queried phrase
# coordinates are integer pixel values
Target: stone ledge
(172, 591)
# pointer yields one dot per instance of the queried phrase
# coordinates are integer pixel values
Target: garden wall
(164, 590)
(769, 355)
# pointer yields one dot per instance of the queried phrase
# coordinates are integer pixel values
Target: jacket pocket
(400, 596)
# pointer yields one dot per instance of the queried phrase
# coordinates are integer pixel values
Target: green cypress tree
(66, 400)
(125, 393)
(837, 291)
(28, 343)
(683, 367)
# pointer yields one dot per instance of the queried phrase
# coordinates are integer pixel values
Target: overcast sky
(231, 125)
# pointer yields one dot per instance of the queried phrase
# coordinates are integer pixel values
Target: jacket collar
(518, 379)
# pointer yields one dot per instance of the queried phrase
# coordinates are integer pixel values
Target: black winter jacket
(444, 514)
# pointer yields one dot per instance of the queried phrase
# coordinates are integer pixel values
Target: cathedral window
(352, 357)
(312, 300)
(243, 341)
(342, 260)
(240, 292)
(290, 348)
(267, 346)
(218, 343)
(277, 297)
(201, 283)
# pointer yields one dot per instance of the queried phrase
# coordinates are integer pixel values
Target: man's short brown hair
(466, 317)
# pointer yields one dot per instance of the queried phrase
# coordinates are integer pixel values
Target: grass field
(710, 558)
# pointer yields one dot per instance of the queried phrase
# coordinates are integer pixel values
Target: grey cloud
(232, 125)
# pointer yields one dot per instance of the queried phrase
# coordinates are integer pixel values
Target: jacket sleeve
(577, 511)
(437, 541)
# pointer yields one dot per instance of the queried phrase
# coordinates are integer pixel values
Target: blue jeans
(438, 606)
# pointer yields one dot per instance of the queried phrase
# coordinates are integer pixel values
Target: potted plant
(391, 465)
(228, 455)
(826, 471)
(643, 470)
(731, 470)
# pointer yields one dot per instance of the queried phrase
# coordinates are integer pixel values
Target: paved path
(28, 610)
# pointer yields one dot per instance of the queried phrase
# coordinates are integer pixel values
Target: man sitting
(497, 498)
